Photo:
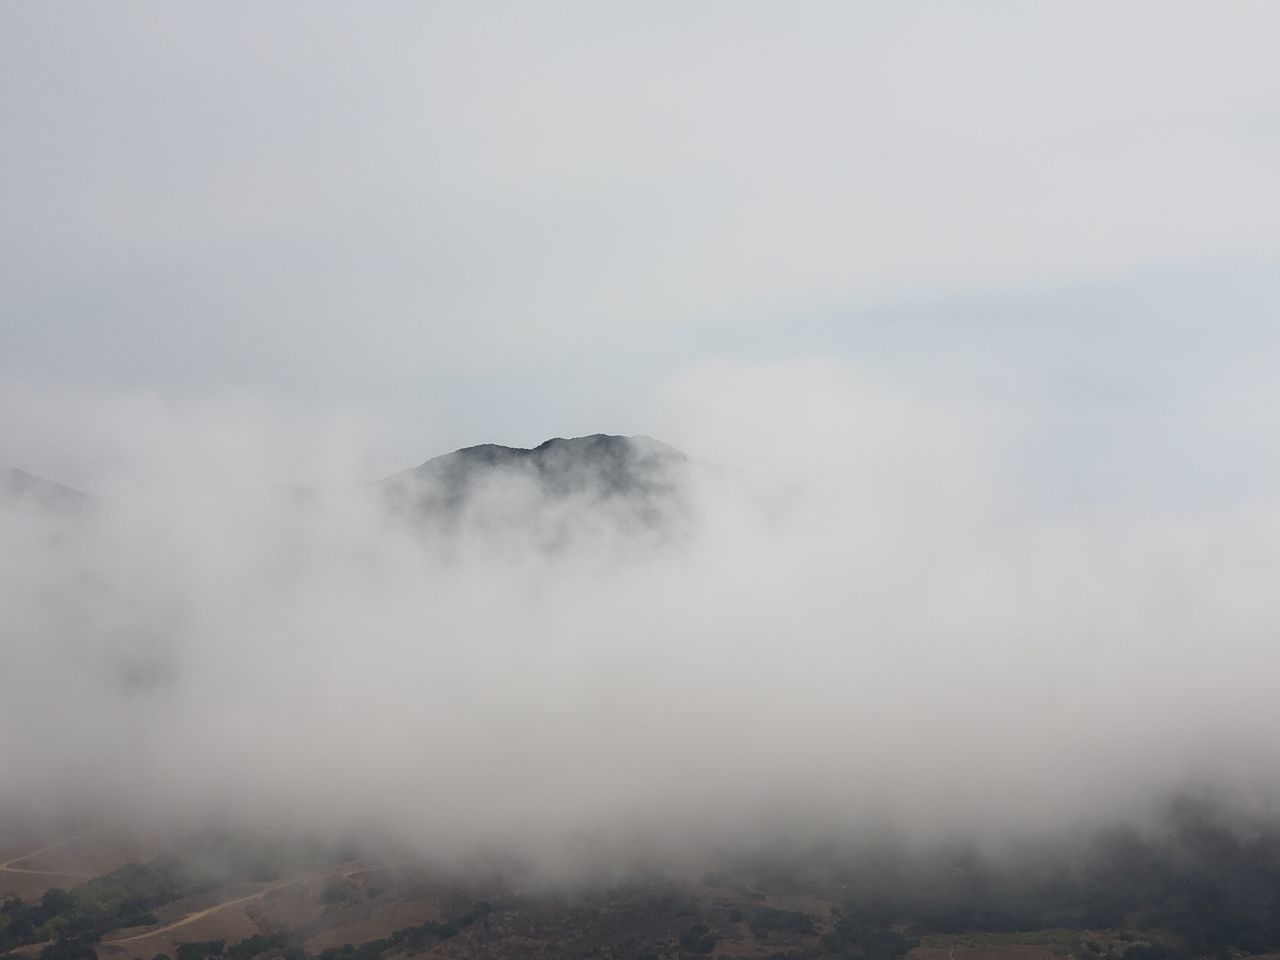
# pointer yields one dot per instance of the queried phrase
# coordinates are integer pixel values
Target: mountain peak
(598, 467)
(17, 484)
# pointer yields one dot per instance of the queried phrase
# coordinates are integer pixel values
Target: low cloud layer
(862, 621)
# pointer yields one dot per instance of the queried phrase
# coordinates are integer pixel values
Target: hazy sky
(428, 225)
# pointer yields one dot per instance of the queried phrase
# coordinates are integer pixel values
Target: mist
(855, 618)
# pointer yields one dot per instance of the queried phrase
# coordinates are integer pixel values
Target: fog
(963, 316)
(864, 624)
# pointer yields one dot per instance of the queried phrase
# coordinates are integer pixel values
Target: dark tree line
(1212, 884)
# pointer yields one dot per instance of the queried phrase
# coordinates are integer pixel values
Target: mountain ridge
(599, 466)
(19, 484)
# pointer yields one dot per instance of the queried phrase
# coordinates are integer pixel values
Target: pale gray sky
(440, 224)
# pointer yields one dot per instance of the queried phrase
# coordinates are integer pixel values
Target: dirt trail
(190, 917)
(193, 917)
(8, 866)
(199, 914)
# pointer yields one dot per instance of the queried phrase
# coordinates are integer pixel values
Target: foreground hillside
(1198, 888)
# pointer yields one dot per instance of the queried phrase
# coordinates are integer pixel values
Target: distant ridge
(600, 466)
(17, 484)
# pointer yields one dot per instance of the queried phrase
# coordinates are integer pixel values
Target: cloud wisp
(860, 624)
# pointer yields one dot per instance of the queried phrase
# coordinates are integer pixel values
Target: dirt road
(199, 914)
(8, 866)
(193, 917)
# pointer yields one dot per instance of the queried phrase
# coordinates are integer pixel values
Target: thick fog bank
(862, 625)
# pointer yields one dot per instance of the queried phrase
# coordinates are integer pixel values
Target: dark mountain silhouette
(636, 472)
(19, 485)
